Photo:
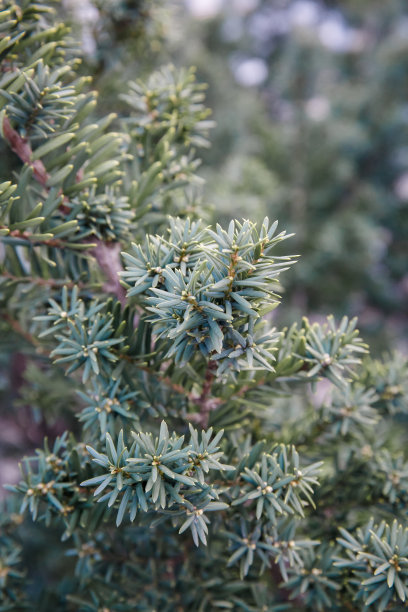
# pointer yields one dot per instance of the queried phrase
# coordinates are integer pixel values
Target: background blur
(311, 104)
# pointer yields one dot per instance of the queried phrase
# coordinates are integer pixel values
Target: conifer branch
(22, 149)
(16, 326)
(180, 335)
(44, 282)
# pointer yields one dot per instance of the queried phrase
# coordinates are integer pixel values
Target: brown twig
(44, 282)
(164, 379)
(15, 325)
(107, 254)
(22, 148)
(205, 401)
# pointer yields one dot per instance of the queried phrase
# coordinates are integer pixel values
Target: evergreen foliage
(201, 468)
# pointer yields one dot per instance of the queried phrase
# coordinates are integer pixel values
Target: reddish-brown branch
(15, 325)
(107, 254)
(44, 282)
(163, 379)
(22, 148)
(208, 381)
(205, 401)
(22, 235)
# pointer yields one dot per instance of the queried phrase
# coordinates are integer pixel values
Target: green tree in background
(209, 460)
